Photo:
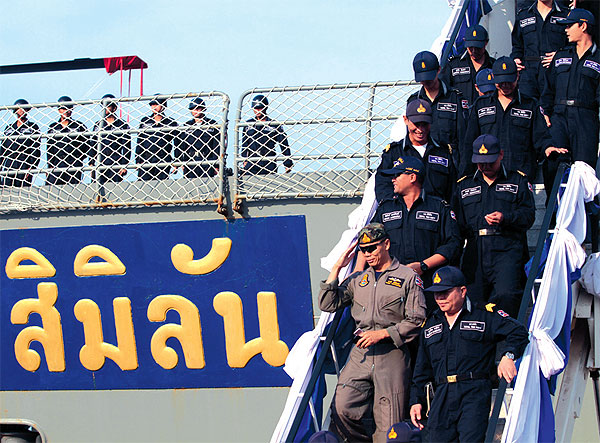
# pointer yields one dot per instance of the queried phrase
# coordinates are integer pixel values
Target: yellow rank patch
(483, 150)
(421, 109)
(423, 65)
(400, 159)
(489, 77)
(490, 307)
(437, 278)
(387, 148)
(522, 173)
(474, 33)
(392, 434)
(365, 281)
(461, 179)
(365, 239)
(504, 66)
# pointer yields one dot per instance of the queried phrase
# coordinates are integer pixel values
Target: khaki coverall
(377, 378)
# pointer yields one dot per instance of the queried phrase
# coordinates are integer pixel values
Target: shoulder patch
(387, 148)
(522, 173)
(394, 281)
(419, 282)
(501, 313)
(364, 281)
(490, 307)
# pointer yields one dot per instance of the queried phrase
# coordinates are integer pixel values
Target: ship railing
(134, 161)
(318, 141)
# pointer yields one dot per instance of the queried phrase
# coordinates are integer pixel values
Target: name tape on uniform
(521, 113)
(507, 187)
(435, 329)
(555, 20)
(489, 110)
(467, 325)
(389, 216)
(447, 107)
(592, 64)
(465, 70)
(394, 281)
(428, 215)
(527, 21)
(470, 192)
(563, 61)
(437, 160)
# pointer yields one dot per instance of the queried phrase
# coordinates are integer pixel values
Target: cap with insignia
(486, 149)
(371, 233)
(411, 165)
(476, 37)
(485, 80)
(447, 277)
(425, 65)
(505, 70)
(403, 432)
(579, 15)
(419, 110)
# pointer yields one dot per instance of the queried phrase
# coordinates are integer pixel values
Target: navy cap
(403, 432)
(445, 278)
(579, 15)
(476, 37)
(158, 101)
(20, 101)
(419, 110)
(371, 233)
(485, 80)
(259, 102)
(64, 99)
(425, 65)
(323, 437)
(198, 102)
(505, 70)
(411, 165)
(486, 149)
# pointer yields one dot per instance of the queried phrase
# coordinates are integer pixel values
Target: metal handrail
(531, 279)
(316, 373)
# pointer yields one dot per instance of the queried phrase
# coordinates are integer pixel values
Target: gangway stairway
(584, 358)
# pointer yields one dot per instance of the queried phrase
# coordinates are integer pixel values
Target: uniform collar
(555, 7)
(517, 99)
(503, 174)
(443, 91)
(407, 144)
(393, 266)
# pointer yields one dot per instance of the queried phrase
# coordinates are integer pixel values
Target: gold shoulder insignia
(450, 149)
(387, 148)
(522, 173)
(461, 179)
(490, 307)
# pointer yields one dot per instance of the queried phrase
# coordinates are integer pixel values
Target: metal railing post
(368, 130)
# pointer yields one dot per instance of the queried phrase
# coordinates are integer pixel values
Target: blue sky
(225, 45)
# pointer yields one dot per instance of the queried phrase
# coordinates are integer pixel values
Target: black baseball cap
(485, 80)
(486, 149)
(447, 277)
(476, 37)
(419, 110)
(425, 65)
(579, 15)
(505, 70)
(406, 164)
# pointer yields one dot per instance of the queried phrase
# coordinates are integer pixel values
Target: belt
(577, 103)
(532, 59)
(462, 377)
(489, 231)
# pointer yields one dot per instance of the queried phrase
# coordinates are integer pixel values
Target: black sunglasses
(369, 248)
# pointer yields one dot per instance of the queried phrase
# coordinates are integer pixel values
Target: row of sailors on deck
(197, 142)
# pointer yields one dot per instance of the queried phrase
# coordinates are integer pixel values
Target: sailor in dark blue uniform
(447, 104)
(20, 152)
(457, 349)
(440, 172)
(513, 118)
(484, 82)
(111, 150)
(196, 142)
(495, 208)
(259, 140)
(460, 71)
(422, 228)
(156, 145)
(571, 97)
(68, 150)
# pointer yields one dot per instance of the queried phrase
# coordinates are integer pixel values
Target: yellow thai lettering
(274, 351)
(49, 335)
(110, 266)
(182, 257)
(95, 351)
(189, 333)
(41, 269)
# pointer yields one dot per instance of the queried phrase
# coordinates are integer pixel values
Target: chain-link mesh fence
(313, 141)
(161, 149)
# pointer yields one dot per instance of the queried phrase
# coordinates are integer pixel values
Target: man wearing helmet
(198, 142)
(67, 147)
(259, 139)
(22, 153)
(111, 151)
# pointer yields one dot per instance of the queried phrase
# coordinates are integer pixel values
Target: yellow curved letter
(93, 354)
(110, 266)
(274, 351)
(50, 335)
(42, 268)
(182, 257)
(189, 333)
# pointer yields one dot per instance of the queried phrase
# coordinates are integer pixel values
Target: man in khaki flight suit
(388, 307)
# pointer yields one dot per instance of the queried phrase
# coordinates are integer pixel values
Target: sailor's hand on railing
(415, 415)
(507, 369)
(369, 338)
(495, 218)
(519, 64)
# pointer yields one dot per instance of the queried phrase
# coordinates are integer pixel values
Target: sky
(223, 45)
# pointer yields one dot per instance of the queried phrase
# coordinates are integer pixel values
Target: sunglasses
(370, 248)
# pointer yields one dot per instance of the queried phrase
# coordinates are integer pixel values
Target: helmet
(158, 101)
(259, 102)
(197, 103)
(21, 101)
(65, 98)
